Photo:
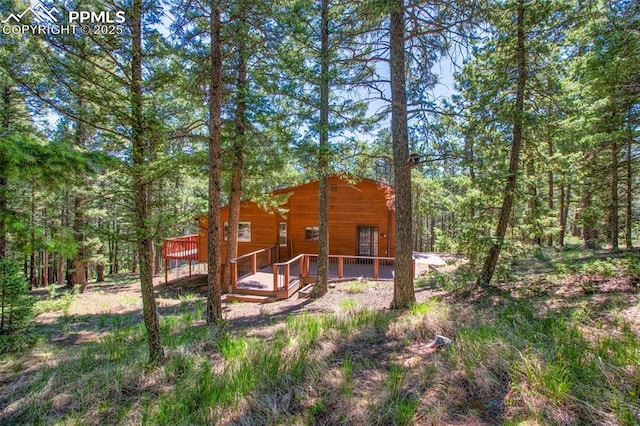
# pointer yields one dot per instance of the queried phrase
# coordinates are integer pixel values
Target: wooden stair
(252, 292)
(253, 298)
(305, 292)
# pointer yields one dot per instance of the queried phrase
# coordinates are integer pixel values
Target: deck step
(253, 298)
(305, 291)
(253, 291)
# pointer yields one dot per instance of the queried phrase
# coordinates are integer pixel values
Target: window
(283, 234)
(244, 232)
(312, 233)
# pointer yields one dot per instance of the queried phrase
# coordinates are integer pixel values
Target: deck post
(275, 277)
(340, 267)
(234, 275)
(286, 276)
(254, 263)
(304, 267)
(189, 268)
(375, 268)
(166, 270)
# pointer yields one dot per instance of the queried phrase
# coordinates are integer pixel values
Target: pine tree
(15, 303)
(214, 233)
(518, 121)
(403, 291)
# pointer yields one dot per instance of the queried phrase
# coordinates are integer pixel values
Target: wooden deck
(262, 284)
(256, 278)
(180, 248)
(282, 280)
(263, 279)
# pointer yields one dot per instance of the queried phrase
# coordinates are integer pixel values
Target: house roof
(353, 179)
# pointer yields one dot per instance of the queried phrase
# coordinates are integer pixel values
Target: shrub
(16, 305)
(632, 264)
(604, 268)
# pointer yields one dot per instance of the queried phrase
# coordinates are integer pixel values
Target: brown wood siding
(264, 230)
(365, 203)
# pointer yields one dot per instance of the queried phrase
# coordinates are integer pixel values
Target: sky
(444, 70)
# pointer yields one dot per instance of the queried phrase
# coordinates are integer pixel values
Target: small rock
(439, 341)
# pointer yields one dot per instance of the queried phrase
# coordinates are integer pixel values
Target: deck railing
(179, 248)
(251, 263)
(183, 248)
(304, 266)
(287, 272)
(342, 267)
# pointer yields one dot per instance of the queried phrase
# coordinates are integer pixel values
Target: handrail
(192, 237)
(293, 260)
(253, 253)
(335, 256)
(254, 262)
(287, 270)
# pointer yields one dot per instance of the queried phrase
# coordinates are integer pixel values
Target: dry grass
(516, 358)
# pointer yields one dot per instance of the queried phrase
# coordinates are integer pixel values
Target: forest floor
(556, 342)
(102, 303)
(122, 297)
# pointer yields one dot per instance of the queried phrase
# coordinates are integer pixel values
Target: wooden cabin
(361, 221)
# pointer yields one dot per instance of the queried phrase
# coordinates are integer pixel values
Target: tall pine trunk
(235, 198)
(565, 196)
(134, 260)
(140, 188)
(78, 260)
(100, 266)
(60, 271)
(32, 237)
(490, 263)
(45, 256)
(614, 231)
(214, 234)
(550, 188)
(4, 168)
(628, 240)
(403, 291)
(585, 217)
(532, 190)
(3, 205)
(322, 278)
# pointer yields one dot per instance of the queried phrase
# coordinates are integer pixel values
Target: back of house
(361, 221)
